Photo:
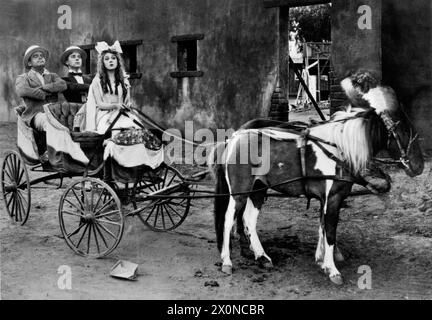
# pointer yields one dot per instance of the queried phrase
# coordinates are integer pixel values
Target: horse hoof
(227, 270)
(265, 263)
(337, 280)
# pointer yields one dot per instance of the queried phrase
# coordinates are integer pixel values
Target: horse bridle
(391, 128)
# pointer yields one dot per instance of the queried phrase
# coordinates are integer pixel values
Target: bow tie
(76, 74)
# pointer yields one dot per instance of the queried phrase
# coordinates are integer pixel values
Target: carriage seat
(65, 113)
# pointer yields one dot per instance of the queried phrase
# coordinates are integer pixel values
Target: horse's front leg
(250, 217)
(331, 219)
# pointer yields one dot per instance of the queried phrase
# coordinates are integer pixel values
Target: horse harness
(341, 166)
(404, 153)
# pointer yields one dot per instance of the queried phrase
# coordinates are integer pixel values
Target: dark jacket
(35, 95)
(76, 92)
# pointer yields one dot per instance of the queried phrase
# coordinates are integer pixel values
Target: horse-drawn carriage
(321, 161)
(91, 210)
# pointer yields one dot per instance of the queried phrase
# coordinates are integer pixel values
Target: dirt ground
(391, 234)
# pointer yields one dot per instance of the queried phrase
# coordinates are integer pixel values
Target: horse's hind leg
(234, 205)
(250, 217)
(244, 241)
(225, 252)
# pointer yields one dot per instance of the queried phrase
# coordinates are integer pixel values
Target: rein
(391, 127)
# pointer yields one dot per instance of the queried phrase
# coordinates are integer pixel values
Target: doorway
(309, 46)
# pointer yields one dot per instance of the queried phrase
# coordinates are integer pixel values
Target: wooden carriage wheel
(159, 214)
(15, 185)
(91, 218)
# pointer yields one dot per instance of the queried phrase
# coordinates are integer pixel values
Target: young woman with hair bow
(109, 92)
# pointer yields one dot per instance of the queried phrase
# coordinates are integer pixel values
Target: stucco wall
(353, 48)
(407, 56)
(238, 54)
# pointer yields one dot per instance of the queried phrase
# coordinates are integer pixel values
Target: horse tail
(216, 166)
(220, 203)
(215, 158)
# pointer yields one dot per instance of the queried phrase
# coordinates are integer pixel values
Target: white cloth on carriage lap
(133, 155)
(58, 138)
(25, 140)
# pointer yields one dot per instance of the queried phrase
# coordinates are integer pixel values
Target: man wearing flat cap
(77, 83)
(37, 87)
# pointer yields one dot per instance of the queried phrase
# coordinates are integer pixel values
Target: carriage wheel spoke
(17, 167)
(106, 230)
(79, 200)
(17, 209)
(82, 236)
(99, 199)
(104, 206)
(20, 177)
(164, 179)
(180, 204)
(175, 211)
(157, 215)
(91, 196)
(147, 206)
(72, 213)
(13, 208)
(100, 233)
(163, 216)
(148, 186)
(89, 238)
(73, 205)
(96, 239)
(169, 183)
(76, 230)
(166, 210)
(13, 166)
(109, 222)
(9, 172)
(140, 187)
(151, 212)
(10, 200)
(23, 198)
(106, 214)
(20, 209)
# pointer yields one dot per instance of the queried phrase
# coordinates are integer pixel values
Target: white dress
(99, 120)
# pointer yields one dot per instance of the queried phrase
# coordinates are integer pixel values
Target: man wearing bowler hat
(77, 83)
(37, 87)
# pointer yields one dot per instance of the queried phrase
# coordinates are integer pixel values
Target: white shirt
(79, 79)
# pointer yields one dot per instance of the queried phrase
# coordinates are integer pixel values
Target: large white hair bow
(103, 46)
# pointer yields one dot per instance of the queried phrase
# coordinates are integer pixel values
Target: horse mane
(358, 134)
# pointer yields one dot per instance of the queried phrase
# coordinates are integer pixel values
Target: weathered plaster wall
(407, 56)
(238, 54)
(353, 48)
